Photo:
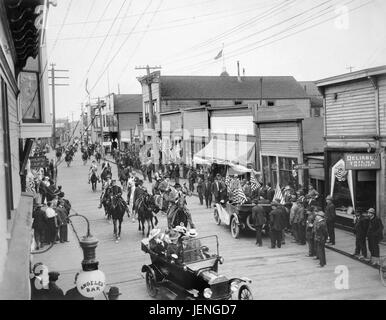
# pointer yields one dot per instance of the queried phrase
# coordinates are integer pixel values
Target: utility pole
(101, 104)
(53, 77)
(149, 79)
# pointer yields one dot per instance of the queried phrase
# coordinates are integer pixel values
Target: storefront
(353, 177)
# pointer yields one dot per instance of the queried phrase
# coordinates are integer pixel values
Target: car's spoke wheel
(245, 293)
(235, 229)
(151, 285)
(216, 217)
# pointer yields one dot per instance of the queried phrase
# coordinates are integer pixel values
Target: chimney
(238, 71)
(243, 72)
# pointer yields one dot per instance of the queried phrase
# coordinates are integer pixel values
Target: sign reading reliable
(362, 161)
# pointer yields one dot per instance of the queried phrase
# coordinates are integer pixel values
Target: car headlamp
(208, 293)
(234, 287)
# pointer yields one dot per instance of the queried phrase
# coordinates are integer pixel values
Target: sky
(101, 42)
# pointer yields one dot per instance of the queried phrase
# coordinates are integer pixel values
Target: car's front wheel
(151, 284)
(235, 228)
(245, 293)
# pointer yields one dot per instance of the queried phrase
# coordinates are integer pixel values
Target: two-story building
(355, 141)
(189, 110)
(128, 110)
(24, 118)
(288, 129)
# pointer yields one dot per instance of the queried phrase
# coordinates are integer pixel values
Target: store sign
(362, 161)
(38, 162)
(91, 283)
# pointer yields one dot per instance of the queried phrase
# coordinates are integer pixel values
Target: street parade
(212, 151)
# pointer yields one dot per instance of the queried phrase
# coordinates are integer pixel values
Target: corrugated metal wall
(239, 121)
(382, 104)
(280, 139)
(350, 109)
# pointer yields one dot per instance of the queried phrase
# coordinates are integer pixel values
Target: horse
(146, 207)
(94, 179)
(117, 210)
(68, 159)
(178, 215)
(98, 157)
(84, 158)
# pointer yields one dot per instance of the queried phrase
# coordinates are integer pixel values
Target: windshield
(199, 249)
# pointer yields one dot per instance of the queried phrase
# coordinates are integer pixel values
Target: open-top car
(190, 271)
(238, 217)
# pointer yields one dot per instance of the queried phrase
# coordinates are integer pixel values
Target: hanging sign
(362, 161)
(38, 162)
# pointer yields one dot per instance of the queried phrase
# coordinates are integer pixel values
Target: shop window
(286, 172)
(29, 97)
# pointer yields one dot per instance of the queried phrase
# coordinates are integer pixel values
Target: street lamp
(91, 282)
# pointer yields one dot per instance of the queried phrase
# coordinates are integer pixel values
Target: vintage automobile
(238, 217)
(192, 274)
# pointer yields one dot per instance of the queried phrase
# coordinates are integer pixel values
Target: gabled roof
(127, 103)
(217, 87)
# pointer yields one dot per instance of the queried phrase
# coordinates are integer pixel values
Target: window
(203, 103)
(286, 173)
(140, 119)
(6, 149)
(270, 103)
(237, 103)
(316, 112)
(29, 97)
(269, 170)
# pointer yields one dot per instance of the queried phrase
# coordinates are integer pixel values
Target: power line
(138, 14)
(140, 41)
(284, 37)
(61, 27)
(120, 48)
(103, 42)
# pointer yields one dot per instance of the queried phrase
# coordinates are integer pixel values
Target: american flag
(228, 181)
(279, 194)
(254, 183)
(239, 196)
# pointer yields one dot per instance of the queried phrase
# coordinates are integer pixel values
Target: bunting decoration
(239, 196)
(255, 185)
(279, 194)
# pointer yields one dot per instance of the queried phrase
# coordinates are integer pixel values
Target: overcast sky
(308, 39)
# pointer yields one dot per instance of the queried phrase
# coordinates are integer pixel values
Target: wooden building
(128, 110)
(355, 141)
(24, 118)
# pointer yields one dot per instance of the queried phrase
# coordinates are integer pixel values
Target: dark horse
(94, 179)
(178, 215)
(117, 208)
(146, 207)
(68, 158)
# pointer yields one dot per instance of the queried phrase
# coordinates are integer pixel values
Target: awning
(227, 152)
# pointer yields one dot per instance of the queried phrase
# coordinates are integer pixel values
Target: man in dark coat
(374, 235)
(330, 219)
(361, 225)
(53, 292)
(177, 173)
(259, 220)
(39, 225)
(217, 188)
(62, 221)
(310, 236)
(149, 170)
(321, 234)
(277, 224)
(270, 192)
(200, 190)
(207, 189)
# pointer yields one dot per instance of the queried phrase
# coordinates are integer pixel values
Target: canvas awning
(227, 152)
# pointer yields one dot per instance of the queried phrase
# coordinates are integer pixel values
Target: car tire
(151, 286)
(244, 293)
(216, 216)
(250, 223)
(235, 228)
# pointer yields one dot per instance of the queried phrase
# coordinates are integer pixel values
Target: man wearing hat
(321, 234)
(361, 225)
(259, 220)
(277, 224)
(113, 293)
(217, 188)
(53, 292)
(374, 235)
(39, 225)
(330, 219)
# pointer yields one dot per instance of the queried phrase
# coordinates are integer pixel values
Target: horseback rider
(105, 198)
(139, 193)
(93, 170)
(177, 202)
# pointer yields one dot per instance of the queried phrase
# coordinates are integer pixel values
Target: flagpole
(223, 57)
